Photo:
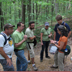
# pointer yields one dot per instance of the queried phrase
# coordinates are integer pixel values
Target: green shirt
(18, 37)
(45, 34)
(29, 33)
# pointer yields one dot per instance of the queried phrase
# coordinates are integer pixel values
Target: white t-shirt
(8, 47)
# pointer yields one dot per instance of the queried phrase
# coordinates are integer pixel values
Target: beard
(31, 28)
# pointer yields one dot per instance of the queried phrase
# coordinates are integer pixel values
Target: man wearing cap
(45, 40)
(19, 38)
(6, 48)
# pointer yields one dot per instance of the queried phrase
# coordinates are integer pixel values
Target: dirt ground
(45, 65)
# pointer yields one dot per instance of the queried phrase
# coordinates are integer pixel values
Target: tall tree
(23, 11)
(69, 4)
(52, 10)
(56, 7)
(36, 12)
(29, 10)
(1, 17)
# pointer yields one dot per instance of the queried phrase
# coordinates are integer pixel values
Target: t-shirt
(8, 47)
(29, 34)
(45, 34)
(63, 39)
(55, 29)
(18, 37)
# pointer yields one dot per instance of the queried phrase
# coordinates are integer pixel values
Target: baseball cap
(46, 24)
(8, 26)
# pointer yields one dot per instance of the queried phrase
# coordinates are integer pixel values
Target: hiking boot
(48, 57)
(35, 68)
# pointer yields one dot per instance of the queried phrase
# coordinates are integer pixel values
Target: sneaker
(48, 57)
(35, 68)
(29, 62)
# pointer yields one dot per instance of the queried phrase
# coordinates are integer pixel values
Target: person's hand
(49, 35)
(52, 41)
(9, 62)
(25, 37)
(34, 36)
(41, 43)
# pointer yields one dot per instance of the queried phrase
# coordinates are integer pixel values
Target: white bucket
(52, 48)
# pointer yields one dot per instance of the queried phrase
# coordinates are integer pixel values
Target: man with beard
(19, 38)
(30, 45)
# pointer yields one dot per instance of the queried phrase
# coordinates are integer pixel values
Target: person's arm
(27, 32)
(62, 42)
(54, 35)
(69, 34)
(31, 38)
(5, 56)
(18, 44)
(69, 30)
(41, 38)
(61, 45)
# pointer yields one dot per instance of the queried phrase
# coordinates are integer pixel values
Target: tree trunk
(47, 10)
(33, 11)
(29, 10)
(52, 10)
(56, 7)
(1, 18)
(36, 12)
(23, 11)
(69, 4)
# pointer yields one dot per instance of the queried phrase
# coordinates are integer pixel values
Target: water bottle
(66, 50)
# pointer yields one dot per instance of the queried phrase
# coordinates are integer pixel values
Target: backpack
(5, 37)
(67, 50)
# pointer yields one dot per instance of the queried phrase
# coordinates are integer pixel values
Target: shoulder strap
(64, 23)
(4, 37)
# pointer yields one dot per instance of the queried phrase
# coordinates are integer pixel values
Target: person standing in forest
(30, 45)
(59, 56)
(45, 40)
(57, 35)
(60, 22)
(6, 47)
(19, 38)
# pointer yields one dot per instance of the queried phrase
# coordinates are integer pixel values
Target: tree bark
(69, 4)
(56, 7)
(36, 12)
(29, 10)
(23, 11)
(33, 11)
(47, 10)
(1, 18)
(52, 10)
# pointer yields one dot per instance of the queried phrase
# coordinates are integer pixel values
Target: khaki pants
(31, 49)
(58, 60)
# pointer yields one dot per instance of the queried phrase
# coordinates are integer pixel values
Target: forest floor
(45, 65)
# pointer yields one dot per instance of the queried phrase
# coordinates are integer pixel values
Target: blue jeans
(45, 45)
(21, 61)
(5, 66)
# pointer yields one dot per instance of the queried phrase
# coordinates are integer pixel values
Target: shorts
(30, 47)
